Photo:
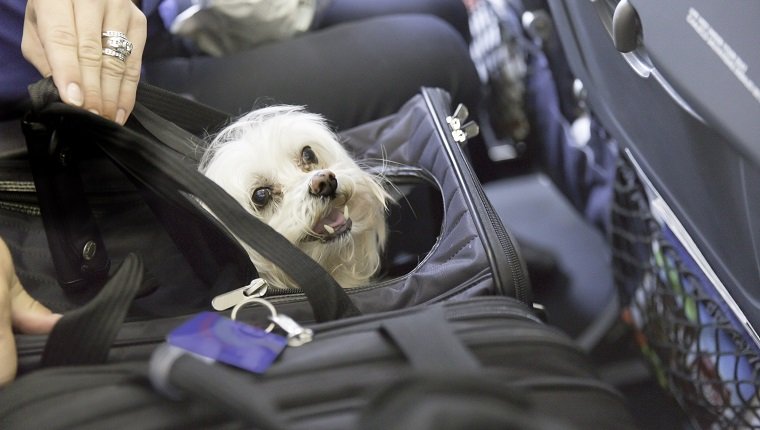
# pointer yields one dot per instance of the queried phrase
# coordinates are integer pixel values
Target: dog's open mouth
(332, 226)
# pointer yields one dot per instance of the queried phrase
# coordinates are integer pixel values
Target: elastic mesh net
(682, 326)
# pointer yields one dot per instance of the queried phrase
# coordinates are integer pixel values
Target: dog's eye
(261, 196)
(308, 157)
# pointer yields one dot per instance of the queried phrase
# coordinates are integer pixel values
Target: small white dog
(287, 168)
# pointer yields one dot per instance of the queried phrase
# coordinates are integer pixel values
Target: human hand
(63, 38)
(17, 309)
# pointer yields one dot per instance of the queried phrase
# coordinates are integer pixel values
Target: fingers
(31, 46)
(116, 19)
(63, 38)
(137, 34)
(16, 305)
(89, 20)
(119, 78)
(7, 343)
(17, 309)
(57, 34)
(27, 314)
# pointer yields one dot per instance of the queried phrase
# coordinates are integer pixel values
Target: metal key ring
(260, 301)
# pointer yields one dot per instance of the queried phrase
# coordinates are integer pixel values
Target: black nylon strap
(166, 173)
(190, 115)
(223, 387)
(429, 342)
(172, 135)
(85, 335)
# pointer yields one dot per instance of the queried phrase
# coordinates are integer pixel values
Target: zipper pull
(297, 334)
(257, 288)
(460, 114)
(460, 130)
(468, 131)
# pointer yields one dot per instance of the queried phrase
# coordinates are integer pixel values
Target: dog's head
(287, 168)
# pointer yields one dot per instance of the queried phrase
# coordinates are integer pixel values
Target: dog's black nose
(323, 183)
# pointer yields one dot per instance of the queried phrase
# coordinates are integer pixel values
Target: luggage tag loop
(260, 301)
(297, 335)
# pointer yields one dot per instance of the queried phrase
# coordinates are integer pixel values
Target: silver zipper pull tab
(257, 288)
(459, 130)
(471, 129)
(460, 114)
(297, 334)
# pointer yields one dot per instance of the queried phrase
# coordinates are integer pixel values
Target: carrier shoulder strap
(195, 117)
(85, 335)
(177, 121)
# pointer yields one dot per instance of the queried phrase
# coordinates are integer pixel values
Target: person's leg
(351, 73)
(342, 11)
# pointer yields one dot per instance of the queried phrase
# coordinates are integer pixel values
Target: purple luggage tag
(231, 342)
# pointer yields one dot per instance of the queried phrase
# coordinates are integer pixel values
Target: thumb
(27, 314)
(35, 322)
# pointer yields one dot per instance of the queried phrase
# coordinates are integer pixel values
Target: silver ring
(112, 33)
(112, 53)
(117, 41)
(119, 44)
(260, 301)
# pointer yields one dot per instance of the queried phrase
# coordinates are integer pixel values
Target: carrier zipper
(474, 308)
(17, 187)
(22, 208)
(27, 189)
(12, 205)
(520, 280)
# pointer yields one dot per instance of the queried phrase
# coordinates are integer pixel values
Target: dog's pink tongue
(334, 219)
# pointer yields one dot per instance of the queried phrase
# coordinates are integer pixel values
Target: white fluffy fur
(264, 149)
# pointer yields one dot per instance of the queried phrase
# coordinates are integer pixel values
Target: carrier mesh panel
(682, 326)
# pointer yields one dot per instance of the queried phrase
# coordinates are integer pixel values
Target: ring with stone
(117, 41)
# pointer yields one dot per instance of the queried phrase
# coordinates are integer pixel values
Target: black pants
(342, 11)
(362, 61)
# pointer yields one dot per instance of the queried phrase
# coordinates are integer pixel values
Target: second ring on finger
(116, 44)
